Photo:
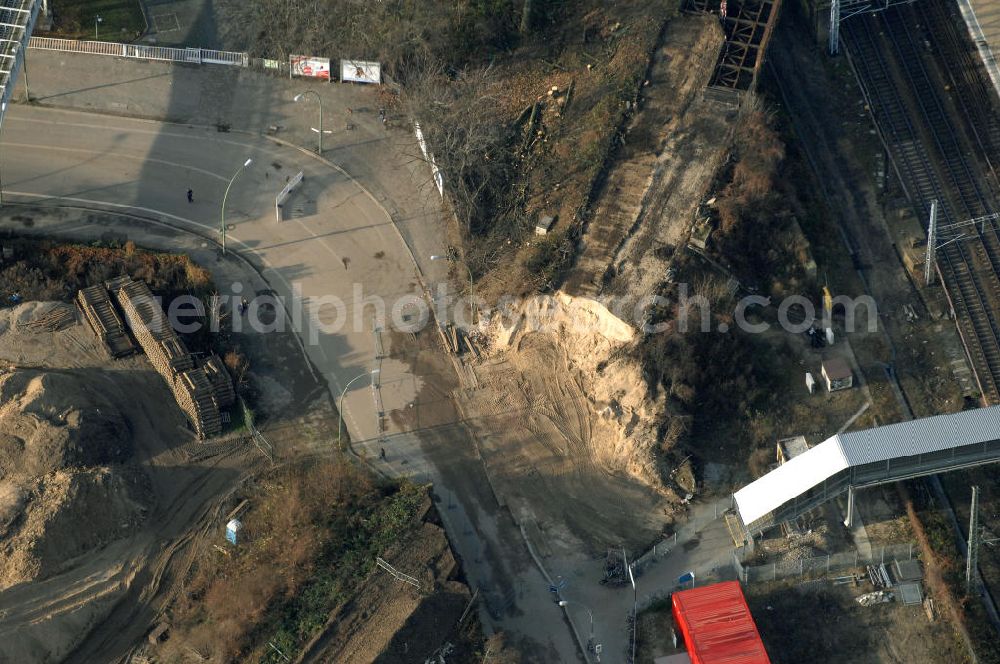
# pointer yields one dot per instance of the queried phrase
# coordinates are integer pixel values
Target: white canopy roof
(930, 434)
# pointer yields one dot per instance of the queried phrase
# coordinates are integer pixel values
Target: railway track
(969, 269)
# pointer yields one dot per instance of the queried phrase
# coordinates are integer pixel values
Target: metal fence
(819, 565)
(143, 52)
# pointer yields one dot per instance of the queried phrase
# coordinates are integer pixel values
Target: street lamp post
(340, 407)
(298, 98)
(472, 284)
(222, 219)
(97, 21)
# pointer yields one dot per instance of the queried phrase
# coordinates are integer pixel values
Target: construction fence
(819, 565)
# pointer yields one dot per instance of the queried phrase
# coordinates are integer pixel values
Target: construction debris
(877, 597)
(879, 576)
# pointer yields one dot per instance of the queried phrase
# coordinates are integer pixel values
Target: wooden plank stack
(100, 314)
(196, 397)
(199, 391)
(57, 318)
(221, 382)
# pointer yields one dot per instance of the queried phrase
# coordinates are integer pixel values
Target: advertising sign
(304, 65)
(356, 71)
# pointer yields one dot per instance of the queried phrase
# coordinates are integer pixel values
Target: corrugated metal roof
(930, 434)
(717, 627)
(857, 448)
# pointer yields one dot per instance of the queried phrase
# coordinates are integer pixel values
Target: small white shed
(544, 225)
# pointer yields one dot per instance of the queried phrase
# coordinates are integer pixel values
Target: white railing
(279, 200)
(142, 51)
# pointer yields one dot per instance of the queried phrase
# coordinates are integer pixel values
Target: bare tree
(462, 121)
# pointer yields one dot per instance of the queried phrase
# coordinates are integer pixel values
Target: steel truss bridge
(17, 18)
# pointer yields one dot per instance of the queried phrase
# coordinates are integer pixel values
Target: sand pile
(64, 515)
(582, 325)
(59, 497)
(623, 430)
(53, 420)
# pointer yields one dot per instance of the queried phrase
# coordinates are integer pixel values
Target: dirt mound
(584, 326)
(622, 419)
(43, 528)
(53, 420)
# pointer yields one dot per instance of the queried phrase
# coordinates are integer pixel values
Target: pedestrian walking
(381, 453)
(190, 196)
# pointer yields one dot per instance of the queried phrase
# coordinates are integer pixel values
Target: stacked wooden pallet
(100, 314)
(193, 389)
(143, 311)
(221, 382)
(175, 355)
(196, 397)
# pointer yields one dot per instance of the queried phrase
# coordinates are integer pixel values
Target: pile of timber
(100, 314)
(55, 319)
(196, 397)
(222, 384)
(199, 391)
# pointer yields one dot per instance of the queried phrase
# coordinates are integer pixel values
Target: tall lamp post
(97, 21)
(299, 98)
(222, 219)
(590, 641)
(472, 284)
(340, 407)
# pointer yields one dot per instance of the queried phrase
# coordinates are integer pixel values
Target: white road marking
(262, 146)
(123, 155)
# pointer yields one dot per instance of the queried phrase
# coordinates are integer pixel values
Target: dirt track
(672, 149)
(47, 618)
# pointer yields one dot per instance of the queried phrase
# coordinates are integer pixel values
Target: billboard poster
(304, 65)
(357, 71)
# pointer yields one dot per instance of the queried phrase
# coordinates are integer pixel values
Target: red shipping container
(716, 625)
